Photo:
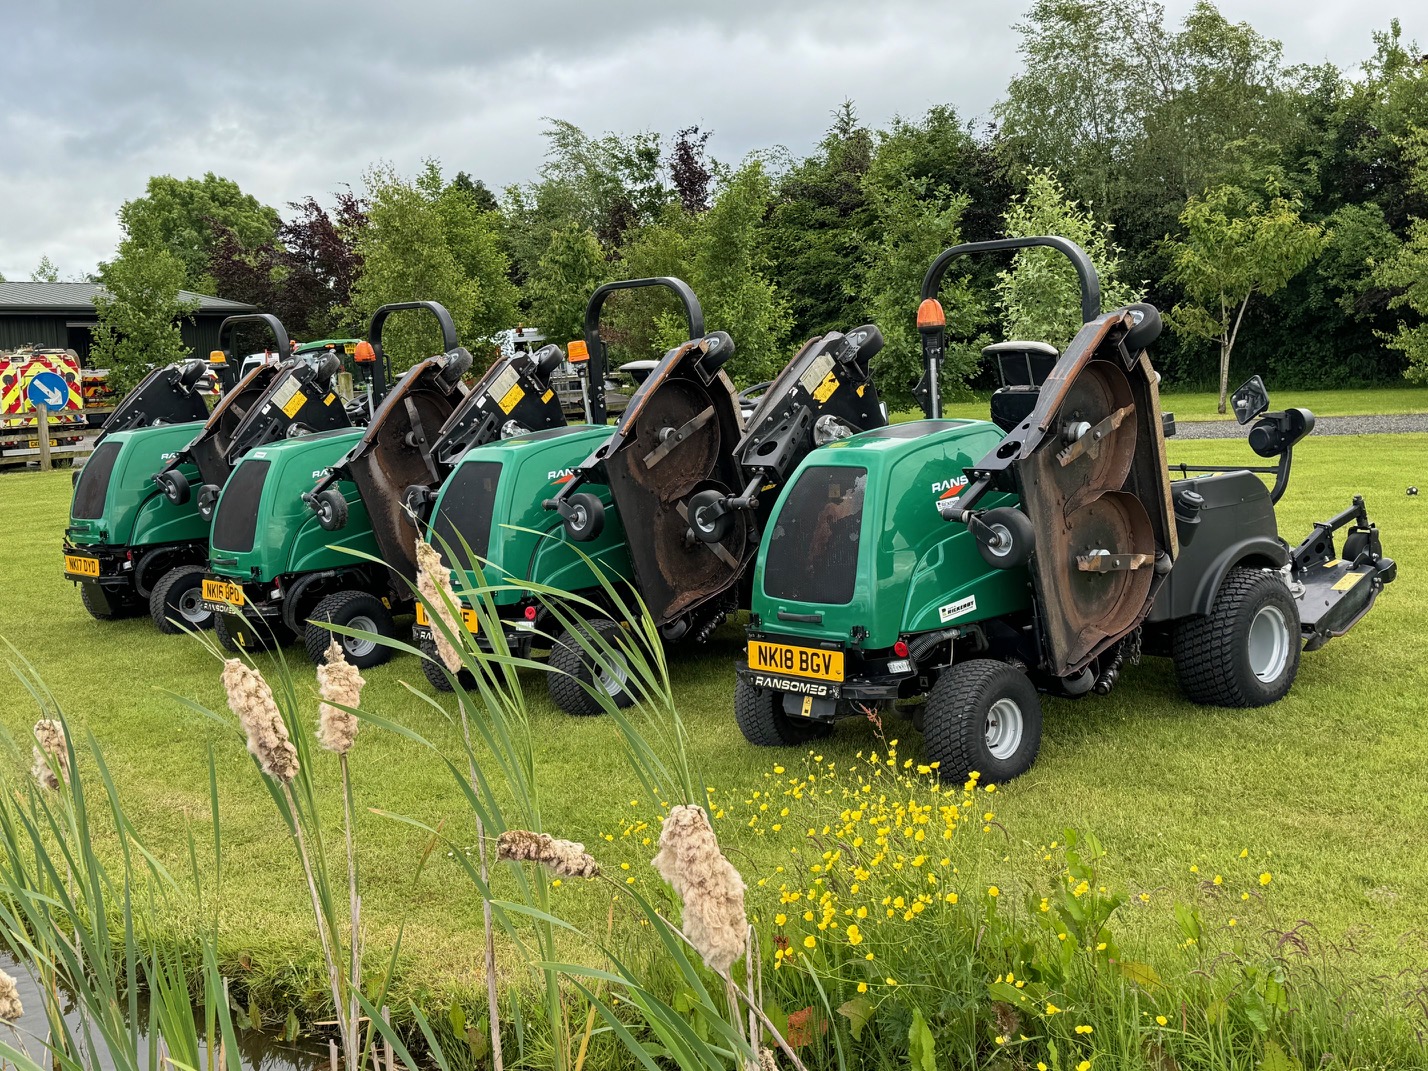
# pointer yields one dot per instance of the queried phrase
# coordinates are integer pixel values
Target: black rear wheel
(351, 609)
(982, 715)
(176, 603)
(574, 671)
(238, 632)
(1245, 651)
(761, 719)
(435, 669)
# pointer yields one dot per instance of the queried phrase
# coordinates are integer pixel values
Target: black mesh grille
(94, 483)
(813, 548)
(466, 508)
(236, 523)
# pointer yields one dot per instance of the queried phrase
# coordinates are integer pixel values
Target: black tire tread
(224, 636)
(954, 719)
(316, 638)
(159, 598)
(434, 668)
(765, 725)
(569, 670)
(1205, 653)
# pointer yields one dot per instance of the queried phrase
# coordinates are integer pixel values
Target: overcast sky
(294, 98)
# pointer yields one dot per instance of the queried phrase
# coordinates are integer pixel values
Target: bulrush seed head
(252, 700)
(712, 890)
(434, 586)
(51, 755)
(563, 857)
(10, 1006)
(338, 682)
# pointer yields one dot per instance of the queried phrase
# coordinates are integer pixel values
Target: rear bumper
(116, 571)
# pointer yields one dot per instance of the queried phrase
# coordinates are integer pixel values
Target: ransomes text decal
(560, 475)
(948, 488)
(783, 684)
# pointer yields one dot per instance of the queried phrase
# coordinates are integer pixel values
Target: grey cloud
(291, 98)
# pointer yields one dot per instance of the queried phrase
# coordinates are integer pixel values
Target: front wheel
(331, 509)
(237, 632)
(351, 609)
(574, 671)
(174, 486)
(176, 603)
(1245, 652)
(761, 719)
(982, 715)
(586, 519)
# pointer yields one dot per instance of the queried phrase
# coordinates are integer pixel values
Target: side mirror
(1250, 400)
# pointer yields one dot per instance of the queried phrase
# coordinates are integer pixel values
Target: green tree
(139, 312)
(1040, 294)
(472, 232)
(1234, 247)
(405, 257)
(1405, 271)
(913, 221)
(564, 278)
(180, 215)
(45, 271)
(721, 254)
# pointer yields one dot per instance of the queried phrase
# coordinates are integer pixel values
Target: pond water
(259, 1051)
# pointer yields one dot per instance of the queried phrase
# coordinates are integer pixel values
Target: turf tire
(179, 585)
(354, 609)
(762, 720)
(238, 633)
(571, 671)
(958, 725)
(435, 669)
(1212, 653)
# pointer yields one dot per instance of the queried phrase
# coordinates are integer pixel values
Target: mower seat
(1022, 368)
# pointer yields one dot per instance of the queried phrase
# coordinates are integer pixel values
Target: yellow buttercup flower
(780, 919)
(862, 987)
(993, 891)
(1083, 1029)
(1084, 1065)
(1161, 1020)
(1266, 878)
(810, 941)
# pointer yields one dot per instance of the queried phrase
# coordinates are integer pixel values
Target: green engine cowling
(855, 557)
(263, 530)
(123, 533)
(492, 503)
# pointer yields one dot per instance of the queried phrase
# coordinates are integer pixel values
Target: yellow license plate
(77, 565)
(469, 618)
(223, 591)
(35, 443)
(795, 661)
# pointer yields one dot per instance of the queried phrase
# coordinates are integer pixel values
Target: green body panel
(913, 567)
(135, 513)
(289, 539)
(533, 468)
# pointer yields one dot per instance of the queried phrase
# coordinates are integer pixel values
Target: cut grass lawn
(1325, 790)
(1202, 405)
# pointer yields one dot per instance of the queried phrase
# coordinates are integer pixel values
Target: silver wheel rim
(1004, 540)
(578, 518)
(190, 607)
(613, 678)
(357, 646)
(1268, 644)
(1004, 729)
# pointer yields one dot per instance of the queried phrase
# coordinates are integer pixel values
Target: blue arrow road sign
(48, 389)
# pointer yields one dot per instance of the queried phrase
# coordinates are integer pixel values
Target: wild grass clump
(889, 940)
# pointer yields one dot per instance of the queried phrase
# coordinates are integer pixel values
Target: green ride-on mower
(976, 565)
(691, 483)
(284, 539)
(131, 545)
(494, 503)
(115, 509)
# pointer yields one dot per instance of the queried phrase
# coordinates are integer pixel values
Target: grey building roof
(79, 298)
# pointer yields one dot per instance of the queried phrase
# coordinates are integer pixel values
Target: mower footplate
(1337, 595)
